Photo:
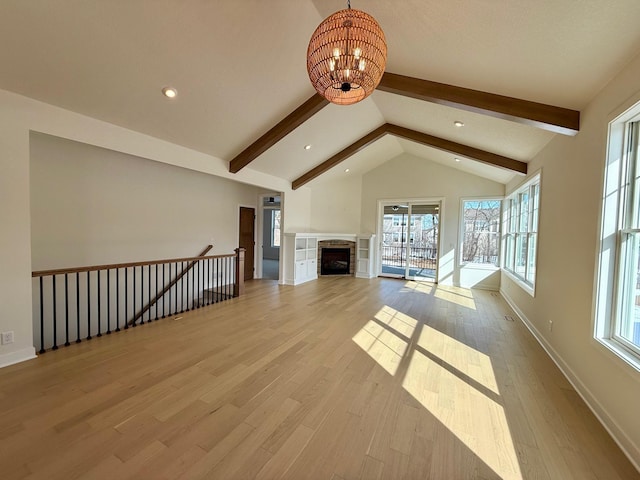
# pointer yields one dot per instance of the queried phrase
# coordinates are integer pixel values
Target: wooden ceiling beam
(277, 133)
(415, 136)
(547, 117)
(458, 149)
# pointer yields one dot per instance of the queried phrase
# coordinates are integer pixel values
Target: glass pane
(423, 241)
(275, 228)
(521, 254)
(531, 270)
(394, 239)
(524, 212)
(508, 252)
(535, 201)
(481, 227)
(629, 319)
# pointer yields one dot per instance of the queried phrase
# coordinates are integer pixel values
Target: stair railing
(73, 304)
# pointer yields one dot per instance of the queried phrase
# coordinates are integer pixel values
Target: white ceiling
(239, 68)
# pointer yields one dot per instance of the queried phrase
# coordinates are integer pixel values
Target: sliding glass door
(409, 240)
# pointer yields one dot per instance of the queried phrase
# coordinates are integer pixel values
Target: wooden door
(246, 239)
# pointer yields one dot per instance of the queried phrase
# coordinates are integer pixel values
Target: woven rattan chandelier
(346, 56)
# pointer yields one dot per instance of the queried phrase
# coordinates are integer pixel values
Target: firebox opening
(335, 261)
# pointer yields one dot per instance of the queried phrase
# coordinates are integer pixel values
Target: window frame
(617, 267)
(513, 232)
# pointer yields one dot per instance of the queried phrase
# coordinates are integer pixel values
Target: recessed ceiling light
(307, 147)
(169, 92)
(458, 123)
(457, 159)
(346, 170)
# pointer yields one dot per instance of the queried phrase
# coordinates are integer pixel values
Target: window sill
(518, 281)
(621, 352)
(480, 266)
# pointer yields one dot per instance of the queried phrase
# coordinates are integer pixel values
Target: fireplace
(335, 261)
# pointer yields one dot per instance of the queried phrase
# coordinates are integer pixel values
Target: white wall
(90, 205)
(335, 205)
(407, 177)
(15, 255)
(570, 202)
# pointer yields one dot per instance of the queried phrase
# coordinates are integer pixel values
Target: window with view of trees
(481, 231)
(275, 228)
(618, 287)
(520, 233)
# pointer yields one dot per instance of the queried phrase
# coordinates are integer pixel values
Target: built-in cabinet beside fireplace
(303, 254)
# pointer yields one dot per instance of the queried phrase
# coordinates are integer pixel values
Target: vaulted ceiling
(239, 68)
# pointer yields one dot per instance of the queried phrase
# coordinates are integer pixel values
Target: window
(520, 233)
(275, 228)
(618, 288)
(481, 231)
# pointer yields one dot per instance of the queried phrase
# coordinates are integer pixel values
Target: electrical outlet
(551, 325)
(7, 338)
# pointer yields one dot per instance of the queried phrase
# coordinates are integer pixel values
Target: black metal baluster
(88, 307)
(205, 282)
(157, 292)
(41, 319)
(164, 297)
(196, 283)
(126, 297)
(149, 294)
(117, 299)
(99, 313)
(66, 310)
(184, 296)
(189, 271)
(108, 302)
(175, 265)
(78, 340)
(216, 281)
(141, 295)
(133, 313)
(55, 315)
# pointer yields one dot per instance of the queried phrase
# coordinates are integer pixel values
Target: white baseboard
(17, 356)
(628, 446)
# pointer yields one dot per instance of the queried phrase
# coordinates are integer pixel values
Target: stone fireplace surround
(338, 243)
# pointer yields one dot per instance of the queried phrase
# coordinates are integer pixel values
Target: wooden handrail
(171, 284)
(93, 268)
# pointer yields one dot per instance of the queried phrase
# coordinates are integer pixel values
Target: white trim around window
(520, 219)
(617, 283)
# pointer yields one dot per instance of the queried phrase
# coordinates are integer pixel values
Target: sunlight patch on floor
(420, 287)
(383, 346)
(474, 418)
(459, 296)
(400, 322)
(378, 339)
(470, 362)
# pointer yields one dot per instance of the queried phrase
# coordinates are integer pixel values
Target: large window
(520, 233)
(618, 286)
(481, 232)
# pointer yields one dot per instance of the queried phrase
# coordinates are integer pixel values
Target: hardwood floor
(336, 379)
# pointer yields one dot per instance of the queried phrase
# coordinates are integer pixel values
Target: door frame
(382, 202)
(259, 257)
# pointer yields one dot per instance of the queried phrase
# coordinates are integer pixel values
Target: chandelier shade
(346, 57)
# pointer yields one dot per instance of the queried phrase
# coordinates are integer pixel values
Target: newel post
(238, 288)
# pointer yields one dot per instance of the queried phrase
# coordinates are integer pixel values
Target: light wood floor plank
(339, 378)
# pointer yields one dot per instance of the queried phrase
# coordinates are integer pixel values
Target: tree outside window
(481, 231)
